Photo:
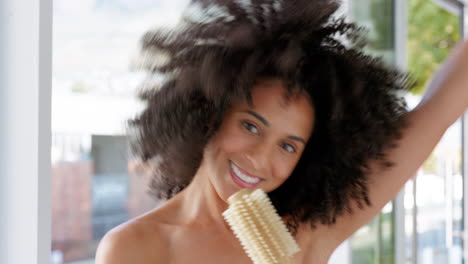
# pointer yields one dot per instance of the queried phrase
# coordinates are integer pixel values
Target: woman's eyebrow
(258, 116)
(296, 138)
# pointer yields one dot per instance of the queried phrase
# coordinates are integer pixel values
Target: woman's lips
(240, 182)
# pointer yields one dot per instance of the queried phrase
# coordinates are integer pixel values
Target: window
(434, 199)
(94, 184)
(374, 242)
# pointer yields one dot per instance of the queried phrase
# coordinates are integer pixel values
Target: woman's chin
(224, 191)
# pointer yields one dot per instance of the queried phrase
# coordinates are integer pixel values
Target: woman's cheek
(239, 140)
(283, 168)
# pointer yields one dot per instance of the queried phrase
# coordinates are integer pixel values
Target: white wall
(25, 89)
(465, 153)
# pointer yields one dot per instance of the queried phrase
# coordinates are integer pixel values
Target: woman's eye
(250, 127)
(289, 147)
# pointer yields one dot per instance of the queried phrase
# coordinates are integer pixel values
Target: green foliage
(432, 33)
(80, 87)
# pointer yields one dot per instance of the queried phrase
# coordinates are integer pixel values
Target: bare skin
(189, 228)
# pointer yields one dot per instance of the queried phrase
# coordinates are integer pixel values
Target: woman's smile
(243, 178)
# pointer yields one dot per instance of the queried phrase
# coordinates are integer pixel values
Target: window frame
(25, 120)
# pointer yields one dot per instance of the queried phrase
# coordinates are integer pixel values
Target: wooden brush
(259, 228)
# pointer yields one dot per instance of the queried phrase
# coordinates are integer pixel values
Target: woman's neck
(199, 205)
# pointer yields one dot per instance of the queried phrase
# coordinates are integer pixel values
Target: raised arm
(445, 100)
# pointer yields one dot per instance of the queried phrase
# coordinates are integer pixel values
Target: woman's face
(258, 146)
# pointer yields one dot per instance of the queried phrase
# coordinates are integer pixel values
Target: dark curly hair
(213, 58)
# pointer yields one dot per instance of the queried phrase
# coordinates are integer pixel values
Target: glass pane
(374, 243)
(436, 232)
(433, 202)
(94, 184)
(439, 201)
(376, 16)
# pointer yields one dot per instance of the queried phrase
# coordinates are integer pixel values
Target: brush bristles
(259, 228)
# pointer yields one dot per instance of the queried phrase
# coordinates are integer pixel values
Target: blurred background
(95, 184)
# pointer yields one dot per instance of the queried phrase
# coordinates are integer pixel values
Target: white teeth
(242, 176)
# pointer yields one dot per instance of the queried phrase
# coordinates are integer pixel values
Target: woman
(274, 95)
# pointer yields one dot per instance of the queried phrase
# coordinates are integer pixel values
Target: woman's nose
(259, 155)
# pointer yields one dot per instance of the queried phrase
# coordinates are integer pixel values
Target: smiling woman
(258, 145)
(275, 95)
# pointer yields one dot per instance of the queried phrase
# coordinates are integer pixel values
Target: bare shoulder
(141, 240)
(118, 246)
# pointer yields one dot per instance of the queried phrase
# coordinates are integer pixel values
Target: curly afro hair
(214, 56)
